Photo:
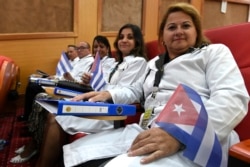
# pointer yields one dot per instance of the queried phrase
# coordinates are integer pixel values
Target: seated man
(72, 57)
(83, 65)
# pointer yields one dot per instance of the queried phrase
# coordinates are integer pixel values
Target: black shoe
(22, 118)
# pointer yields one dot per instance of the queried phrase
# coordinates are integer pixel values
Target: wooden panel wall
(36, 16)
(43, 53)
(235, 13)
(111, 15)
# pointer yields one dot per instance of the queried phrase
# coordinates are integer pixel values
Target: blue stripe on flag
(63, 65)
(97, 80)
(174, 130)
(202, 144)
(215, 158)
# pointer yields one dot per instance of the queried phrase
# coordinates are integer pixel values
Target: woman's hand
(156, 143)
(68, 76)
(93, 96)
(86, 78)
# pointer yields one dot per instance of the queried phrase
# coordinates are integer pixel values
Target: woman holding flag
(131, 65)
(102, 46)
(187, 122)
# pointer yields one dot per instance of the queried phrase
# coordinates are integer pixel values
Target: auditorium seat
(5, 81)
(237, 38)
(15, 77)
(9, 78)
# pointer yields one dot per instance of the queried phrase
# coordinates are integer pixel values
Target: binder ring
(119, 110)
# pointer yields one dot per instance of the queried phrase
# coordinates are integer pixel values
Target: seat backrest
(5, 81)
(15, 77)
(153, 49)
(3, 58)
(237, 38)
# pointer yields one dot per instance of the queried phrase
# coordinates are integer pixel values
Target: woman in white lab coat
(209, 69)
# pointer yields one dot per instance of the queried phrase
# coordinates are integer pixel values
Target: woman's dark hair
(103, 40)
(139, 49)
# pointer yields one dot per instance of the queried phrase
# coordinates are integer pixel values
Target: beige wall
(43, 54)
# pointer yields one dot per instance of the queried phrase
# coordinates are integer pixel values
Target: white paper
(51, 107)
(123, 161)
(223, 6)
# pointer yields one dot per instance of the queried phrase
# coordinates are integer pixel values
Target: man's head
(83, 49)
(72, 52)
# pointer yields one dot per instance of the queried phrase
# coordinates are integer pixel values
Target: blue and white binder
(66, 107)
(44, 81)
(66, 92)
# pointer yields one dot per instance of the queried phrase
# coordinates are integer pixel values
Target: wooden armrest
(241, 151)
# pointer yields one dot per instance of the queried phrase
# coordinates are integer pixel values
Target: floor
(15, 132)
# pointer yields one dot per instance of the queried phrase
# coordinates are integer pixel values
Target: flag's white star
(178, 109)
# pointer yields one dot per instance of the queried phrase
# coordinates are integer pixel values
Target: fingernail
(142, 161)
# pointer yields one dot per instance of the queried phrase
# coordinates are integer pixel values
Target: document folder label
(65, 107)
(84, 109)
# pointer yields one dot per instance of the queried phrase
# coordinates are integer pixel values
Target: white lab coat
(211, 71)
(74, 62)
(107, 64)
(82, 66)
(128, 72)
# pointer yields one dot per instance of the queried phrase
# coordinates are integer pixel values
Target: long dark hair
(103, 40)
(139, 50)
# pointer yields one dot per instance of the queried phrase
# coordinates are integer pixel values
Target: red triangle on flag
(179, 109)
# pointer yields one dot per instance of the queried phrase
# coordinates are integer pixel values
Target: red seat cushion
(237, 38)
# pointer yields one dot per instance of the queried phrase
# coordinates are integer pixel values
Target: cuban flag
(186, 118)
(63, 65)
(97, 81)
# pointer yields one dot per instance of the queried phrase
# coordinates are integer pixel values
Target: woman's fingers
(86, 78)
(93, 96)
(155, 143)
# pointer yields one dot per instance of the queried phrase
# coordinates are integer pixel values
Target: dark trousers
(32, 90)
